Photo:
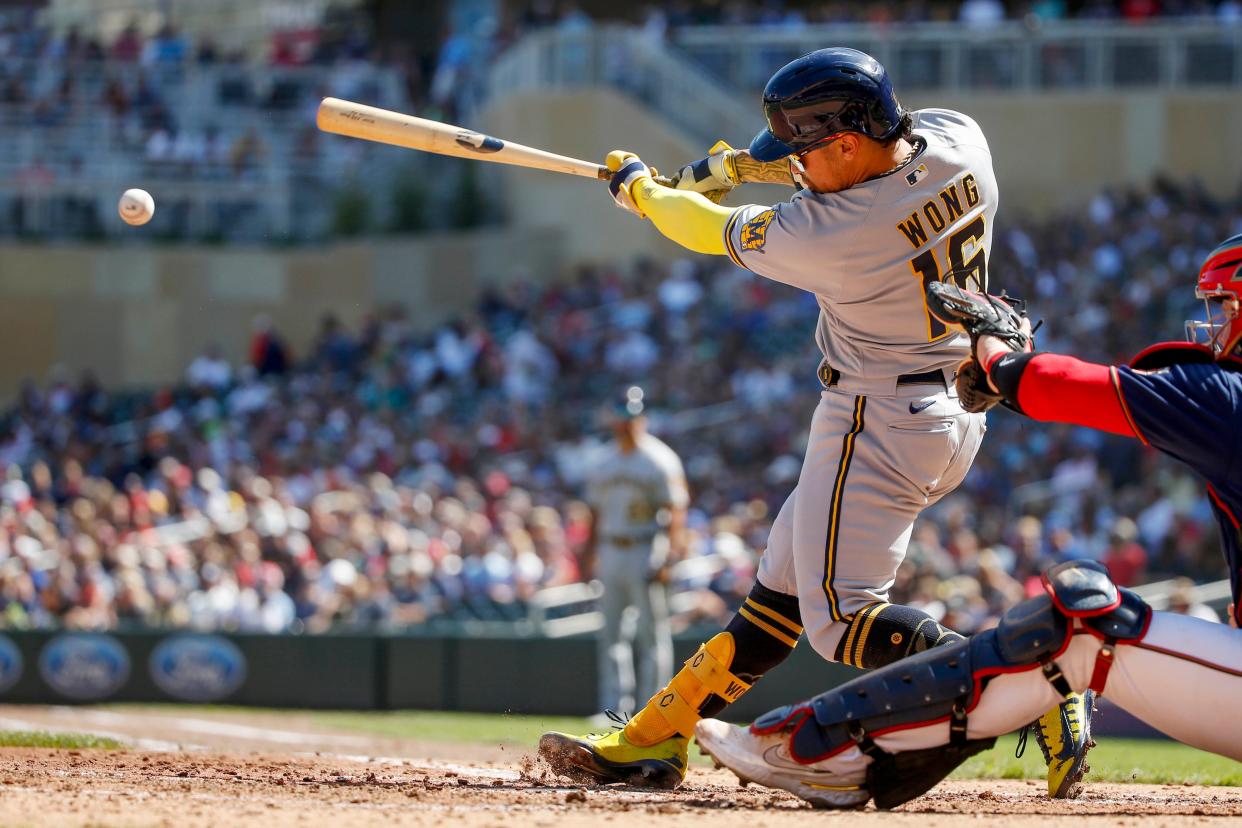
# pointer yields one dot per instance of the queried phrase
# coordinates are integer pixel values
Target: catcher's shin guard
(761, 635)
(945, 683)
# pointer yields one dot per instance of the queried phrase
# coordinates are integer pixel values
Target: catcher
(894, 733)
(888, 202)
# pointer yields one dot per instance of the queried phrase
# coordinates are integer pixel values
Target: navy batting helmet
(824, 93)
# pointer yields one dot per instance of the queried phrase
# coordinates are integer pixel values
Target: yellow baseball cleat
(610, 757)
(1064, 737)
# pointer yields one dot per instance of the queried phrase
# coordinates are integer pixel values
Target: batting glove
(626, 169)
(715, 173)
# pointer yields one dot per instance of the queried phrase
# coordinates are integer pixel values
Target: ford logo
(197, 668)
(84, 666)
(10, 663)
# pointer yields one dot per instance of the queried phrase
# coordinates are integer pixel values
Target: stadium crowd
(228, 131)
(388, 477)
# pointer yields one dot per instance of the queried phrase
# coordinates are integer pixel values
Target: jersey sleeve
(783, 243)
(1186, 411)
(675, 475)
(668, 482)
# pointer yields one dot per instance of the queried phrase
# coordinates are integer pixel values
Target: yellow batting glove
(626, 169)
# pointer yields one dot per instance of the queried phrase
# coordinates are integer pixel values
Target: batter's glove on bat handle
(713, 176)
(626, 169)
(980, 315)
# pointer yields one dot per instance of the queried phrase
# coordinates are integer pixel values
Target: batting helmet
(1220, 278)
(822, 94)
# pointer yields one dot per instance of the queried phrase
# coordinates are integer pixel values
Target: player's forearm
(1062, 389)
(683, 216)
(677, 533)
(761, 172)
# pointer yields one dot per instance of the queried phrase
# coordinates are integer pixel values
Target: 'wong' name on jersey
(957, 201)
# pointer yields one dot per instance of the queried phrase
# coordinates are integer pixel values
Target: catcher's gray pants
(636, 643)
(873, 462)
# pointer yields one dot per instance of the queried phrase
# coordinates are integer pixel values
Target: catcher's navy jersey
(1193, 412)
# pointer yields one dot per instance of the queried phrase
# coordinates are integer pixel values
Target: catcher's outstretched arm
(1058, 388)
(683, 216)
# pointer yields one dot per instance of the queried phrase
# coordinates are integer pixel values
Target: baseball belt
(830, 376)
(627, 543)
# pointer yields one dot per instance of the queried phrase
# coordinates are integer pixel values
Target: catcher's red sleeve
(1062, 389)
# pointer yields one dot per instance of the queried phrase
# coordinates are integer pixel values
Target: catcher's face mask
(1220, 286)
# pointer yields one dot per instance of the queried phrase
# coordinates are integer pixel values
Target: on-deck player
(896, 732)
(891, 201)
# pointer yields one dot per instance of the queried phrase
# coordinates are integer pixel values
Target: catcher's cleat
(610, 757)
(765, 760)
(1064, 736)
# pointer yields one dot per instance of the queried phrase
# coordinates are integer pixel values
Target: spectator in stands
(1125, 559)
(246, 153)
(268, 353)
(169, 48)
(210, 370)
(128, 45)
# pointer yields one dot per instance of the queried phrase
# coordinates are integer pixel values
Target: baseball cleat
(610, 757)
(1064, 737)
(765, 760)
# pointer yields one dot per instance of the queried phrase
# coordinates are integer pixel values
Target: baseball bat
(373, 124)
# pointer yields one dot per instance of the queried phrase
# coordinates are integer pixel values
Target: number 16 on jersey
(968, 268)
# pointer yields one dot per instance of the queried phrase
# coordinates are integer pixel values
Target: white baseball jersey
(868, 252)
(627, 491)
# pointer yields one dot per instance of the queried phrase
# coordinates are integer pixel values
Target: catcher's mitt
(980, 315)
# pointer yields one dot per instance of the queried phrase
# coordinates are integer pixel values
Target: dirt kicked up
(232, 769)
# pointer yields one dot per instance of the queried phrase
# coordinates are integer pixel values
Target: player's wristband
(1005, 371)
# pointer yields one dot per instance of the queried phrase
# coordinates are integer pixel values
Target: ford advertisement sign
(10, 663)
(84, 666)
(198, 668)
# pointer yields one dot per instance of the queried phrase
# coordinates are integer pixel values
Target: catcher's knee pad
(761, 635)
(944, 683)
(883, 633)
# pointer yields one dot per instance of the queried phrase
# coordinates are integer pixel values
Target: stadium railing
(71, 153)
(701, 76)
(1076, 55)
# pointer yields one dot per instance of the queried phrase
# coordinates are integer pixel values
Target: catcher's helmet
(1220, 278)
(824, 93)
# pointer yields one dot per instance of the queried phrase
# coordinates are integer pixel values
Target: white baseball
(136, 207)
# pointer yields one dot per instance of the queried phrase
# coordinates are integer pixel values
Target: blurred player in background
(889, 201)
(895, 733)
(638, 498)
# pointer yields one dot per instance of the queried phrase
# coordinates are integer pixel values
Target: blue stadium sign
(10, 663)
(84, 666)
(197, 668)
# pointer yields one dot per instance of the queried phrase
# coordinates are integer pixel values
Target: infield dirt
(240, 769)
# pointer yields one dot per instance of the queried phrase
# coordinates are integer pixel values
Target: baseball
(136, 207)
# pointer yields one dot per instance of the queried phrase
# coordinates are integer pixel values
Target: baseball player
(894, 733)
(889, 202)
(638, 497)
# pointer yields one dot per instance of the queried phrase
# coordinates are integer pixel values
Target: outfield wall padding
(483, 673)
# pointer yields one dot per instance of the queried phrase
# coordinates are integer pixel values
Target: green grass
(1153, 761)
(44, 739)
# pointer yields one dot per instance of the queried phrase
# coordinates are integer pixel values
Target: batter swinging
(890, 201)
